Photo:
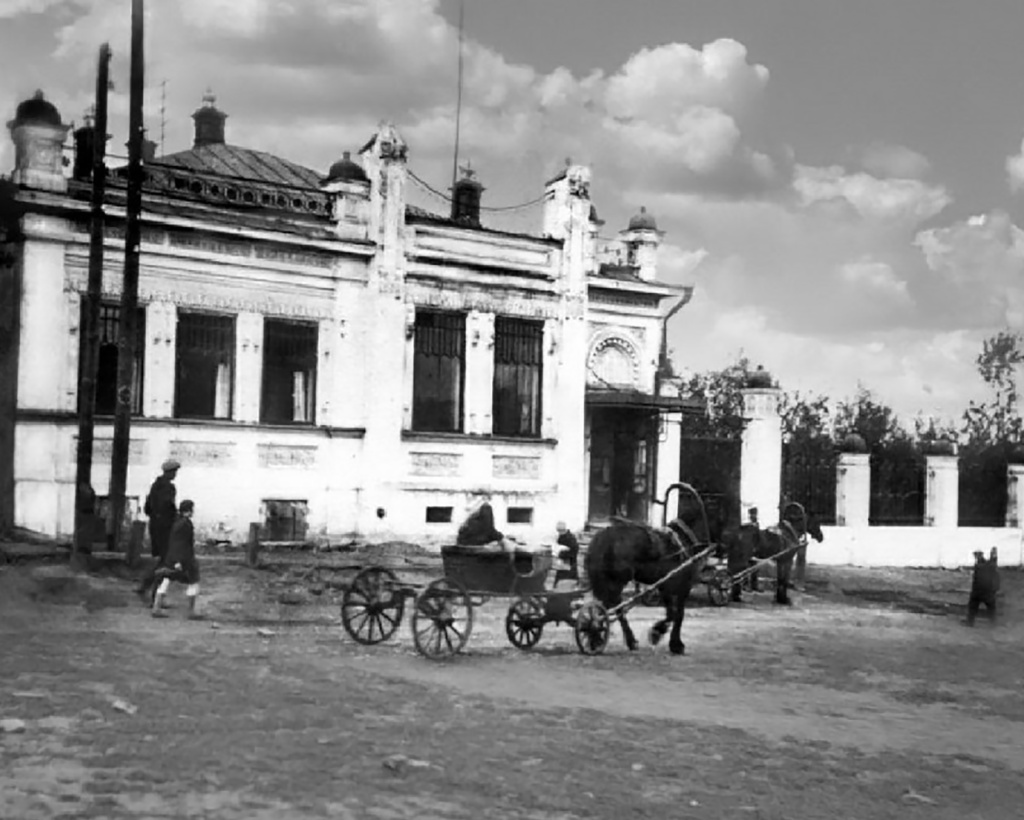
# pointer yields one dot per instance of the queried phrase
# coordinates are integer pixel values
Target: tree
(874, 422)
(998, 420)
(722, 393)
(806, 419)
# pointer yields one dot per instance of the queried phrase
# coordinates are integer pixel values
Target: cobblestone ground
(842, 707)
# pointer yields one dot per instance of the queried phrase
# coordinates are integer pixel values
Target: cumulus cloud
(902, 200)
(1015, 170)
(12, 8)
(977, 268)
(884, 160)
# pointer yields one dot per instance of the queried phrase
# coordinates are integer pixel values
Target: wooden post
(130, 292)
(252, 548)
(85, 497)
(134, 551)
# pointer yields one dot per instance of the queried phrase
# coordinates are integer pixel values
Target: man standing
(180, 562)
(161, 508)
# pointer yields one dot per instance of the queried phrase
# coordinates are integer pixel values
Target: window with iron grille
(289, 372)
(204, 366)
(518, 355)
(106, 370)
(438, 371)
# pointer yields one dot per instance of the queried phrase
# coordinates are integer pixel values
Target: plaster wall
(863, 546)
(228, 470)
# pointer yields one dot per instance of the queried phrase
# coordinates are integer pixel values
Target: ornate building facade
(326, 359)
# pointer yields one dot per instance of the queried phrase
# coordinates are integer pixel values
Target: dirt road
(840, 707)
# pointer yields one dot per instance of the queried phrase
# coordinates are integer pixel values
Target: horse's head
(814, 528)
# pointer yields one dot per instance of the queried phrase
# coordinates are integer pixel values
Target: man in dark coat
(180, 563)
(161, 508)
(984, 587)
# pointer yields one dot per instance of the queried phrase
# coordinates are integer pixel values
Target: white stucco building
(324, 357)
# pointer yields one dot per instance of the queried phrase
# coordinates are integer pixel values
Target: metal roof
(242, 163)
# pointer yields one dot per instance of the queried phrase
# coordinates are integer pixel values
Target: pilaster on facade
(159, 360)
(853, 489)
(479, 377)
(42, 338)
(248, 366)
(942, 491)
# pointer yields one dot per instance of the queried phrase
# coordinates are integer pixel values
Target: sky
(842, 182)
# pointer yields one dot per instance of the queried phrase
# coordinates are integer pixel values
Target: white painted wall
(945, 547)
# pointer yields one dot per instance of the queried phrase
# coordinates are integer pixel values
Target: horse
(789, 534)
(629, 551)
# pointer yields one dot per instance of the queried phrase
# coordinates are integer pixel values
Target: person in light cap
(161, 507)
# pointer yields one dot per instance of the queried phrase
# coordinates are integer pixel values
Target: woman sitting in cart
(478, 530)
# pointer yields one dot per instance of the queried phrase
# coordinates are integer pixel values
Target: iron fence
(983, 487)
(809, 477)
(897, 489)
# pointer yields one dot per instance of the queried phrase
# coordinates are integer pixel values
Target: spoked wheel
(719, 586)
(591, 628)
(372, 607)
(524, 622)
(442, 619)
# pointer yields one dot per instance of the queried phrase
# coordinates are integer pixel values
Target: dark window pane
(289, 372)
(106, 371)
(204, 366)
(438, 371)
(518, 354)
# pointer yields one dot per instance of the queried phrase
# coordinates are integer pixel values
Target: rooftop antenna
(458, 103)
(163, 114)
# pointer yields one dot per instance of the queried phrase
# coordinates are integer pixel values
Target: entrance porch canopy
(645, 401)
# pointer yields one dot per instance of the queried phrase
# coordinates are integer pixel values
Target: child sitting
(569, 554)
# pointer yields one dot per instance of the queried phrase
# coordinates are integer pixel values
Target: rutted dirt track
(838, 708)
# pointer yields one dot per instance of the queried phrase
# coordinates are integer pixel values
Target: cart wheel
(524, 622)
(372, 606)
(591, 628)
(719, 587)
(442, 619)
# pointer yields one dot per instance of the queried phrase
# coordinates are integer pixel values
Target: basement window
(106, 371)
(285, 519)
(289, 371)
(520, 515)
(204, 366)
(439, 515)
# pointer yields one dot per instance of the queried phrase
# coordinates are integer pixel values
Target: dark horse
(750, 544)
(790, 533)
(629, 551)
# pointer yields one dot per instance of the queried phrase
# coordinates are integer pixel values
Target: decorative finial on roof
(209, 98)
(467, 170)
(39, 95)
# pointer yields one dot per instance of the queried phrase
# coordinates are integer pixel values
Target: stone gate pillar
(853, 489)
(942, 491)
(761, 452)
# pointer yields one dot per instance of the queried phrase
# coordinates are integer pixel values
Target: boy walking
(181, 564)
(984, 586)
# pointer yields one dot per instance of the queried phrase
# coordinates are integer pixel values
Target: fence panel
(983, 487)
(897, 489)
(712, 466)
(809, 477)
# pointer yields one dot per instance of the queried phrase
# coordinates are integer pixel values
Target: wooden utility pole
(130, 291)
(85, 497)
